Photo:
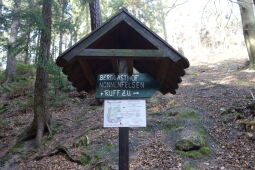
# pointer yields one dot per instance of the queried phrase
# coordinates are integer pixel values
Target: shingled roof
(122, 36)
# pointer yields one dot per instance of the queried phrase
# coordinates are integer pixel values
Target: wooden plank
(88, 72)
(121, 53)
(162, 71)
(115, 65)
(130, 64)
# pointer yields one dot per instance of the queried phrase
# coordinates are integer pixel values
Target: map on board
(124, 113)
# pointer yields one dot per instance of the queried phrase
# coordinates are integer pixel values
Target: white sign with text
(124, 113)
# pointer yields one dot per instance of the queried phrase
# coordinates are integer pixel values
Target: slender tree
(248, 22)
(62, 17)
(42, 117)
(11, 50)
(1, 7)
(95, 14)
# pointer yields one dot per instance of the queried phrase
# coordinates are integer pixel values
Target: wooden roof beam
(87, 72)
(121, 53)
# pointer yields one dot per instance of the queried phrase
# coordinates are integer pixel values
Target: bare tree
(95, 14)
(11, 50)
(42, 117)
(248, 22)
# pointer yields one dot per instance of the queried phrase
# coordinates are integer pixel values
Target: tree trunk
(163, 19)
(37, 46)
(95, 14)
(248, 22)
(96, 21)
(1, 7)
(11, 51)
(42, 117)
(61, 33)
(27, 53)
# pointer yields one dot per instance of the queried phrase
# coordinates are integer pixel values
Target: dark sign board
(121, 86)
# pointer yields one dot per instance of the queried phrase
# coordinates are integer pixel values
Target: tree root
(58, 150)
(35, 130)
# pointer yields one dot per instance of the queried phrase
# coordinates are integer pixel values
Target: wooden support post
(123, 131)
(123, 148)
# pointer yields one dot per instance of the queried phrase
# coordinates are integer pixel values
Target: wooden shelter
(122, 36)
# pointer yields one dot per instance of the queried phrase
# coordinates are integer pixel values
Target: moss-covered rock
(197, 154)
(193, 141)
(230, 115)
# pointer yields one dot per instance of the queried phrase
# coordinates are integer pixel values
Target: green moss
(148, 127)
(90, 158)
(188, 166)
(109, 147)
(171, 124)
(3, 108)
(205, 151)
(196, 154)
(53, 132)
(16, 148)
(94, 107)
(85, 159)
(201, 133)
(84, 141)
(189, 115)
(102, 166)
(25, 69)
(2, 76)
(154, 114)
(245, 83)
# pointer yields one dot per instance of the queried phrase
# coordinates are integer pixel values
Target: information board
(124, 113)
(123, 86)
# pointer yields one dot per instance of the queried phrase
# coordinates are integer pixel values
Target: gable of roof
(122, 36)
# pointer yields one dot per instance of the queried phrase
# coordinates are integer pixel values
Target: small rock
(250, 136)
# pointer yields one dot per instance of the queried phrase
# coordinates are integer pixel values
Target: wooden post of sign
(123, 131)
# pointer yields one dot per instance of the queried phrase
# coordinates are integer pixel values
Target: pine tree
(42, 117)
(11, 49)
(95, 14)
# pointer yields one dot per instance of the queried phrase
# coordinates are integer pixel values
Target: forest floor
(214, 98)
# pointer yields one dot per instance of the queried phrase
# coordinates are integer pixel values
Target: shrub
(25, 69)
